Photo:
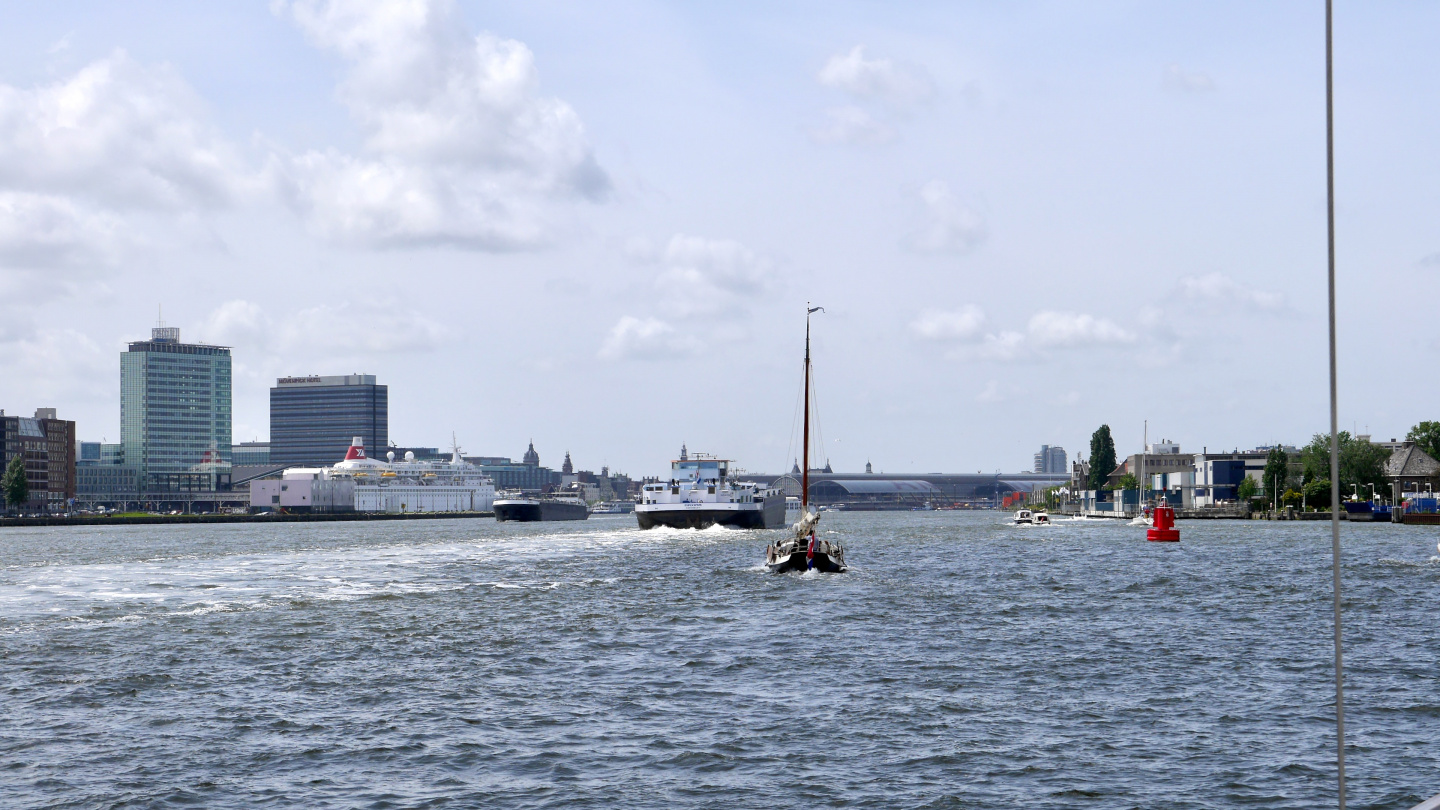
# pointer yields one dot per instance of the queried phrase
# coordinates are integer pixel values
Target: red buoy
(1164, 530)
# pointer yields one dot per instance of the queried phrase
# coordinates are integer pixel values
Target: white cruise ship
(408, 485)
(701, 493)
(364, 484)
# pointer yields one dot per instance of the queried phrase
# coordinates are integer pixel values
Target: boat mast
(805, 442)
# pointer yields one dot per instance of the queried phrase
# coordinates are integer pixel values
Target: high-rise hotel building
(175, 413)
(314, 419)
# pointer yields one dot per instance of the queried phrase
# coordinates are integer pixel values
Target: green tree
(1317, 493)
(1128, 481)
(1247, 489)
(1277, 470)
(1291, 497)
(1315, 456)
(1426, 436)
(1102, 457)
(13, 483)
(1361, 463)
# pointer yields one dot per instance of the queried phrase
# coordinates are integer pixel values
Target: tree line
(1304, 479)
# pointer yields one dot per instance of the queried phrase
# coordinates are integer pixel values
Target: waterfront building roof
(1411, 462)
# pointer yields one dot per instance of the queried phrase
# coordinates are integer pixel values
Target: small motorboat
(1042, 519)
(1026, 518)
(1144, 518)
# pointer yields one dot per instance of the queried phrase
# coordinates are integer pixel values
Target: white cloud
(1006, 345)
(964, 324)
(1069, 329)
(59, 367)
(327, 332)
(48, 230)
(1046, 331)
(951, 226)
(641, 249)
(88, 164)
(62, 44)
(878, 79)
(1431, 260)
(1177, 80)
(991, 393)
(711, 276)
(460, 146)
(645, 339)
(120, 135)
(851, 125)
(1220, 288)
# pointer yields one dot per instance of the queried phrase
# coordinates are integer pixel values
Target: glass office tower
(175, 413)
(314, 419)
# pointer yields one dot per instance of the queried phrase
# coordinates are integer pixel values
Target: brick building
(47, 444)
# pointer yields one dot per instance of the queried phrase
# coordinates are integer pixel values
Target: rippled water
(961, 663)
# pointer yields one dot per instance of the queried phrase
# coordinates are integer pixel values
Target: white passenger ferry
(702, 493)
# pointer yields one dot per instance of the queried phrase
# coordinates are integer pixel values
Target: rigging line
(1334, 408)
(815, 414)
(795, 418)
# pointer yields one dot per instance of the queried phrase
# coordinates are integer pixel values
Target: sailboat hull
(795, 561)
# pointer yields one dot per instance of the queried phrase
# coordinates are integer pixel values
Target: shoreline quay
(311, 517)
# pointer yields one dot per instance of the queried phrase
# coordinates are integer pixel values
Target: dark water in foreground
(962, 663)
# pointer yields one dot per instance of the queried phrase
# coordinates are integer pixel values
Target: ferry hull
(771, 516)
(532, 512)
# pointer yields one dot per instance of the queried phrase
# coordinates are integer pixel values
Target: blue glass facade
(314, 419)
(175, 401)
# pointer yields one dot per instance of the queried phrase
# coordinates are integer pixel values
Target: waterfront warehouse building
(314, 419)
(47, 445)
(175, 414)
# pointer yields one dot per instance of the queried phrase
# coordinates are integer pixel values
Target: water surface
(962, 663)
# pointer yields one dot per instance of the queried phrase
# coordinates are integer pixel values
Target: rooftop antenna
(160, 315)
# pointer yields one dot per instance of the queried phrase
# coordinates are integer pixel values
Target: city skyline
(1013, 244)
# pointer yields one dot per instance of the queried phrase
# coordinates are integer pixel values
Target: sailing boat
(803, 551)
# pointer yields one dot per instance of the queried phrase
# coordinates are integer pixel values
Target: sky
(597, 225)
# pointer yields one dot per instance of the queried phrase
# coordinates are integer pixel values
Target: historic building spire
(531, 457)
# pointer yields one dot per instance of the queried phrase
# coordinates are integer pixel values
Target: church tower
(531, 457)
(567, 468)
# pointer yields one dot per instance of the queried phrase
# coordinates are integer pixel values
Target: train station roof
(869, 487)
